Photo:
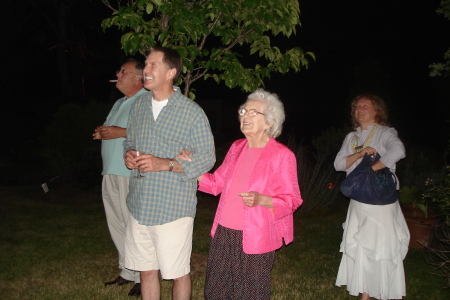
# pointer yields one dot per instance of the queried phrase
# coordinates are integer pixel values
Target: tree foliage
(214, 36)
(442, 68)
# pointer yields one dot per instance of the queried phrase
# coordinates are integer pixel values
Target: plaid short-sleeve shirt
(163, 197)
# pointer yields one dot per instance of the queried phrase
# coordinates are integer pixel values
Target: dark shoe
(135, 290)
(118, 281)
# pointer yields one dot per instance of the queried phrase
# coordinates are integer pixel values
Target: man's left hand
(149, 163)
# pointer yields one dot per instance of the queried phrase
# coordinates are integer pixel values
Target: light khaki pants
(114, 192)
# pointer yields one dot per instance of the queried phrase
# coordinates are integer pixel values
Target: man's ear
(172, 73)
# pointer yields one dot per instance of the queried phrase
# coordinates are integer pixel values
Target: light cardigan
(385, 141)
(275, 175)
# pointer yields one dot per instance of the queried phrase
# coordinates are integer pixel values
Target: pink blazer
(275, 175)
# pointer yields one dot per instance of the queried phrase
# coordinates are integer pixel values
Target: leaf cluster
(411, 195)
(214, 37)
(438, 193)
(442, 68)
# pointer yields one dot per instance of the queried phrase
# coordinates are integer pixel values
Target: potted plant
(420, 219)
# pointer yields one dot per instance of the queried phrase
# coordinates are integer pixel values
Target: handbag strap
(366, 143)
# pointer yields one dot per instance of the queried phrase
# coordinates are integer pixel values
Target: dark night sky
(382, 46)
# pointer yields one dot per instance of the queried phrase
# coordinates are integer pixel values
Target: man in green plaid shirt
(162, 197)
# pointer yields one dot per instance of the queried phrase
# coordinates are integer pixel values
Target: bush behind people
(68, 150)
(319, 182)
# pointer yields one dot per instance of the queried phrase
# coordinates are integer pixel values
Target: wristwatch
(171, 164)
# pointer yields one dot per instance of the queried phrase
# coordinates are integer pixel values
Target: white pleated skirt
(373, 247)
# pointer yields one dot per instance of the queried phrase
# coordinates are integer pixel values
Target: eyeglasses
(251, 112)
(123, 72)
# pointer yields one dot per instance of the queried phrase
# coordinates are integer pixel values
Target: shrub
(437, 193)
(319, 181)
(420, 164)
(68, 150)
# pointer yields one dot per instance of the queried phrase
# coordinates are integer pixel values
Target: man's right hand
(129, 159)
(112, 132)
(109, 132)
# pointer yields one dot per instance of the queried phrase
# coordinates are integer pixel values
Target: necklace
(366, 143)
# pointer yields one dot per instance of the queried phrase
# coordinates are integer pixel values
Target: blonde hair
(379, 106)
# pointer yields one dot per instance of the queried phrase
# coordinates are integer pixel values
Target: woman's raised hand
(368, 150)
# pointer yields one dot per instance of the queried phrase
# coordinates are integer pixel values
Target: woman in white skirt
(376, 237)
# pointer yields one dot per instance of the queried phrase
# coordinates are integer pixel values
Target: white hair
(274, 110)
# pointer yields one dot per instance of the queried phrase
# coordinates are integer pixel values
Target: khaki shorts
(164, 247)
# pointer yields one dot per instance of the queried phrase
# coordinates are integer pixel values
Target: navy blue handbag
(367, 186)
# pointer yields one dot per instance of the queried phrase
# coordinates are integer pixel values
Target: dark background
(383, 46)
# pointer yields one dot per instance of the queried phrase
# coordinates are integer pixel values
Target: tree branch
(200, 75)
(108, 5)
(234, 43)
(241, 36)
(187, 82)
(193, 2)
(210, 30)
(165, 20)
(237, 40)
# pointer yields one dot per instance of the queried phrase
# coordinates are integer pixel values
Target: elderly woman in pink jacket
(259, 194)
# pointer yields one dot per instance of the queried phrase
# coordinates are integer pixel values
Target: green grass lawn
(58, 247)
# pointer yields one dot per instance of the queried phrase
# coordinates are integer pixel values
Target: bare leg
(365, 296)
(182, 288)
(150, 288)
